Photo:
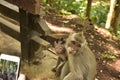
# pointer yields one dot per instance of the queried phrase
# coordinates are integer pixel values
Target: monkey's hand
(57, 72)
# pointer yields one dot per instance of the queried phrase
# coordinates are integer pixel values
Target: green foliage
(99, 13)
(108, 56)
(6, 66)
(43, 1)
(68, 6)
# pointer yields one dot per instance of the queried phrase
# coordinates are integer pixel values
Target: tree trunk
(116, 17)
(110, 14)
(89, 3)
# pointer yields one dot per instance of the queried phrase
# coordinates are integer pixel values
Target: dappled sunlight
(112, 49)
(115, 65)
(95, 3)
(59, 29)
(104, 32)
(71, 16)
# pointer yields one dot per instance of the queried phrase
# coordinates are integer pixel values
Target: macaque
(81, 63)
(62, 57)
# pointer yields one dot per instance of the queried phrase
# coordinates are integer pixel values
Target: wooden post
(24, 34)
(89, 4)
(32, 26)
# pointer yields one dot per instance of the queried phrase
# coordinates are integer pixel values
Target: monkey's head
(75, 41)
(80, 38)
(59, 48)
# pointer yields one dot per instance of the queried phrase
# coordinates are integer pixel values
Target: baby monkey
(62, 56)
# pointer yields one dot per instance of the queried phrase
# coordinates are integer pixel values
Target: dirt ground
(105, 46)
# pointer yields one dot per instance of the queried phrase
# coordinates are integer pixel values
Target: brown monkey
(81, 63)
(62, 57)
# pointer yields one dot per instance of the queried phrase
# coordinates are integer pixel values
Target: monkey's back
(86, 62)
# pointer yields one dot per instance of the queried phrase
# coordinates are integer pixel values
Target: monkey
(62, 57)
(81, 63)
(60, 49)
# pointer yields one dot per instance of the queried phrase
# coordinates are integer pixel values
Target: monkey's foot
(57, 72)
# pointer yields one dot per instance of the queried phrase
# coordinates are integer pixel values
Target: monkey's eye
(73, 42)
(78, 45)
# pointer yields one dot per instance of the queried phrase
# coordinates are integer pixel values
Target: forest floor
(105, 46)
